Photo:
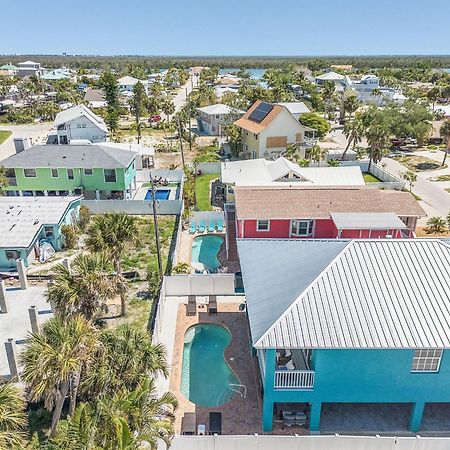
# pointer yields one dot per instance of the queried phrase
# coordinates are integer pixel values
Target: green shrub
(70, 235)
(84, 217)
(181, 268)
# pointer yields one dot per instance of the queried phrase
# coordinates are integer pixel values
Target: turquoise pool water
(205, 250)
(206, 376)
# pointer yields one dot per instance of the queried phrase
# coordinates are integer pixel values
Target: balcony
(294, 379)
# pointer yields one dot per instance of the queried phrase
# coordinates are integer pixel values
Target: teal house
(30, 226)
(94, 171)
(351, 335)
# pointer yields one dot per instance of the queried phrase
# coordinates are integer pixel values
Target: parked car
(155, 118)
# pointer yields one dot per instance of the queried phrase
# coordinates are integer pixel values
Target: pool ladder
(237, 388)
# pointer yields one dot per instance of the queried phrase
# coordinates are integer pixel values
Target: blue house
(338, 322)
(25, 222)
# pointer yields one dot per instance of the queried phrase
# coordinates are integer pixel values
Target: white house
(267, 130)
(29, 68)
(211, 119)
(296, 108)
(80, 123)
(334, 77)
(127, 83)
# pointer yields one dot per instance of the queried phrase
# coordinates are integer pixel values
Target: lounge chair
(191, 307)
(212, 304)
(220, 225)
(188, 423)
(201, 227)
(215, 423)
(193, 228)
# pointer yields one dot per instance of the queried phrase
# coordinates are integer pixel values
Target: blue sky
(230, 27)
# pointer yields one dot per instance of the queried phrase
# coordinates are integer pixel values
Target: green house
(94, 171)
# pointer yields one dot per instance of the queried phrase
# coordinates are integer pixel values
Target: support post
(34, 319)
(269, 382)
(415, 420)
(21, 270)
(314, 417)
(3, 304)
(10, 347)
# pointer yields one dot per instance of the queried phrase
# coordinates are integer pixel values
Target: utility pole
(155, 223)
(180, 135)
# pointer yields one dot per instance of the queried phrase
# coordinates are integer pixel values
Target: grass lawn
(369, 178)
(202, 191)
(419, 163)
(4, 135)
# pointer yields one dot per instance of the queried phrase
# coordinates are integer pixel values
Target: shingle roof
(255, 127)
(350, 294)
(72, 156)
(80, 111)
(317, 202)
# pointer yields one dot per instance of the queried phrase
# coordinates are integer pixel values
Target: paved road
(180, 98)
(36, 132)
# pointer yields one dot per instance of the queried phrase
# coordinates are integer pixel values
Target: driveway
(36, 132)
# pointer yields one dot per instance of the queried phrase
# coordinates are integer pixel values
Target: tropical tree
(328, 90)
(234, 136)
(313, 120)
(108, 83)
(378, 138)
(292, 153)
(411, 178)
(138, 106)
(445, 133)
(3, 180)
(53, 360)
(436, 225)
(317, 153)
(111, 233)
(84, 288)
(334, 163)
(354, 132)
(350, 104)
(12, 416)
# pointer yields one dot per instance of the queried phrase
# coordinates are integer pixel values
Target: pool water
(206, 376)
(205, 250)
(160, 194)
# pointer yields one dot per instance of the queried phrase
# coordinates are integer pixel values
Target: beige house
(267, 130)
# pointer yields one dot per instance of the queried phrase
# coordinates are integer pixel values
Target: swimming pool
(160, 194)
(205, 250)
(206, 376)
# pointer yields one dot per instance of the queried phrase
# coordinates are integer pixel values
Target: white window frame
(264, 229)
(57, 173)
(89, 174)
(310, 226)
(73, 174)
(29, 176)
(427, 360)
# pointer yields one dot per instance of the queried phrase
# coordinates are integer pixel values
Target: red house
(315, 212)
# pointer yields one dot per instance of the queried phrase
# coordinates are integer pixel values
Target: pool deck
(141, 192)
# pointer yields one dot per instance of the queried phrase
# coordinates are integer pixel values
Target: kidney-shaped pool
(206, 378)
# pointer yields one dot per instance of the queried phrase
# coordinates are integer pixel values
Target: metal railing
(294, 379)
(237, 388)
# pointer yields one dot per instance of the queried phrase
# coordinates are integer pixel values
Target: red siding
(277, 229)
(324, 228)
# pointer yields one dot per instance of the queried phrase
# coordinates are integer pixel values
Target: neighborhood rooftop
(379, 293)
(23, 217)
(79, 111)
(317, 202)
(262, 172)
(85, 156)
(256, 127)
(219, 108)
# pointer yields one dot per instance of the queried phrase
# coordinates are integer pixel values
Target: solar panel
(259, 114)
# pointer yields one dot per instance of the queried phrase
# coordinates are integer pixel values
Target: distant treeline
(154, 63)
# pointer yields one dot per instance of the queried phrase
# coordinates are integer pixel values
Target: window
(12, 254)
(255, 136)
(48, 230)
(29, 173)
(83, 125)
(78, 125)
(70, 174)
(426, 360)
(88, 171)
(263, 225)
(230, 190)
(110, 175)
(10, 173)
(55, 173)
(302, 227)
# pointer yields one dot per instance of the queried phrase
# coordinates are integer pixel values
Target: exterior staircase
(230, 219)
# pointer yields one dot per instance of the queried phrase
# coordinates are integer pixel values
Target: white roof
(80, 111)
(130, 81)
(138, 148)
(445, 109)
(367, 221)
(23, 217)
(262, 172)
(330, 76)
(379, 293)
(27, 63)
(219, 109)
(296, 107)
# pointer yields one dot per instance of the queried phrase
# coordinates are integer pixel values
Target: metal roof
(367, 221)
(80, 111)
(392, 293)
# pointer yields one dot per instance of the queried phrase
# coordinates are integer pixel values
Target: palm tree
(350, 104)
(53, 360)
(317, 153)
(411, 177)
(354, 132)
(445, 133)
(111, 233)
(292, 153)
(12, 416)
(85, 288)
(378, 138)
(436, 225)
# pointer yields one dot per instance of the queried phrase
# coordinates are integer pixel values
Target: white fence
(207, 284)
(208, 167)
(335, 442)
(165, 207)
(172, 176)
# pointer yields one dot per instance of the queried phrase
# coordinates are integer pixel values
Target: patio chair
(201, 227)
(191, 307)
(215, 423)
(212, 304)
(220, 225)
(193, 228)
(188, 423)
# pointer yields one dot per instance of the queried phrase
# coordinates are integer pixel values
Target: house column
(269, 380)
(11, 356)
(3, 304)
(97, 194)
(21, 270)
(314, 417)
(45, 193)
(416, 416)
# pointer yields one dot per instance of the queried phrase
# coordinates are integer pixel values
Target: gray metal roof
(72, 156)
(392, 293)
(367, 221)
(80, 111)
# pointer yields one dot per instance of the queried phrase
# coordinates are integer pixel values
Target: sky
(230, 27)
